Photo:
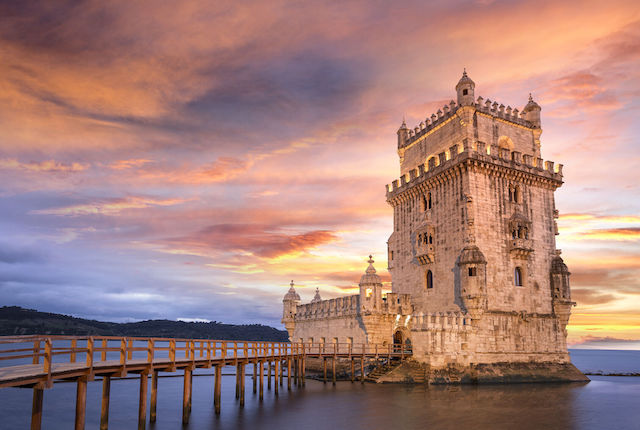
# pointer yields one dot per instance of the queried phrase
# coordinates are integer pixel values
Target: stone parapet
(332, 308)
(492, 157)
(452, 321)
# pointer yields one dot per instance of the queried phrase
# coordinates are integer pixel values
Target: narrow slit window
(429, 279)
(472, 271)
(517, 277)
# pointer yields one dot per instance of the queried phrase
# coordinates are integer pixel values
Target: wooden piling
(242, 367)
(255, 377)
(269, 375)
(333, 370)
(362, 369)
(353, 375)
(142, 404)
(216, 388)
(237, 381)
(260, 380)
(81, 402)
(324, 369)
(154, 396)
(104, 412)
(281, 371)
(186, 395)
(289, 374)
(275, 379)
(36, 408)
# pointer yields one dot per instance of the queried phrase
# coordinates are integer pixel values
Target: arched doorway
(398, 341)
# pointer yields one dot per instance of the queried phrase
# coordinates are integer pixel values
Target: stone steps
(382, 370)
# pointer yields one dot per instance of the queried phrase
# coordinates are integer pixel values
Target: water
(606, 402)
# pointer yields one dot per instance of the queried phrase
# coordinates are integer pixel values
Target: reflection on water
(606, 402)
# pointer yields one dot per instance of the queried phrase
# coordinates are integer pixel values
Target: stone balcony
(425, 253)
(520, 246)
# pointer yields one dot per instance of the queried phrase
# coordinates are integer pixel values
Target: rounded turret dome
(531, 105)
(317, 297)
(291, 294)
(472, 255)
(465, 80)
(370, 276)
(558, 266)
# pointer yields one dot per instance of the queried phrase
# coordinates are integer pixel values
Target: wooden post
(237, 380)
(81, 402)
(186, 396)
(216, 388)
(362, 369)
(154, 396)
(260, 380)
(353, 374)
(48, 360)
(255, 377)
(333, 370)
(242, 368)
(142, 403)
(275, 376)
(74, 345)
(36, 407)
(36, 352)
(324, 368)
(130, 350)
(281, 372)
(104, 412)
(269, 376)
(289, 374)
(104, 350)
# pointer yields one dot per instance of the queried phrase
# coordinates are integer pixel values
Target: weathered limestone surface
(476, 277)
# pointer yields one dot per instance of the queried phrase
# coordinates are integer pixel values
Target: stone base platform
(412, 372)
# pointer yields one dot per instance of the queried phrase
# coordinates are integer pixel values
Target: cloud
(591, 297)
(259, 240)
(630, 233)
(42, 166)
(128, 164)
(10, 254)
(108, 207)
(606, 342)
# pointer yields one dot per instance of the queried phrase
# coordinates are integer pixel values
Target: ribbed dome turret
(531, 105)
(558, 266)
(465, 80)
(317, 297)
(291, 294)
(472, 255)
(370, 276)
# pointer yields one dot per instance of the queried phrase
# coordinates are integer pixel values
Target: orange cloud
(128, 164)
(110, 208)
(42, 166)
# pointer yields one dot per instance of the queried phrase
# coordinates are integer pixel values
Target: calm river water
(607, 402)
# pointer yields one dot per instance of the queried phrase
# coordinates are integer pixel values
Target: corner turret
(465, 89)
(531, 112)
(289, 303)
(403, 134)
(317, 297)
(473, 280)
(370, 288)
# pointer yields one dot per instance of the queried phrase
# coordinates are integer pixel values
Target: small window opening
(517, 277)
(430, 240)
(472, 271)
(429, 279)
(465, 92)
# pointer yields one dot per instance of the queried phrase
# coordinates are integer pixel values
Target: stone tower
(474, 230)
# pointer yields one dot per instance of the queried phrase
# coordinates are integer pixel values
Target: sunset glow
(188, 162)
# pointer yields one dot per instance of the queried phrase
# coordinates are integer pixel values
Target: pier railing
(39, 361)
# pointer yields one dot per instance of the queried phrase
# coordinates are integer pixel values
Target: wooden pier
(81, 359)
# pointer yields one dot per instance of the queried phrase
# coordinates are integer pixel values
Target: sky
(187, 160)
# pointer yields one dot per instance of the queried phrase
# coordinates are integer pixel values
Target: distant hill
(15, 320)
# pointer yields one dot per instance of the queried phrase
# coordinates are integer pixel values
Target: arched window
(429, 279)
(517, 277)
(430, 240)
(429, 201)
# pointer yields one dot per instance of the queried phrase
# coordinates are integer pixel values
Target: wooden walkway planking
(84, 358)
